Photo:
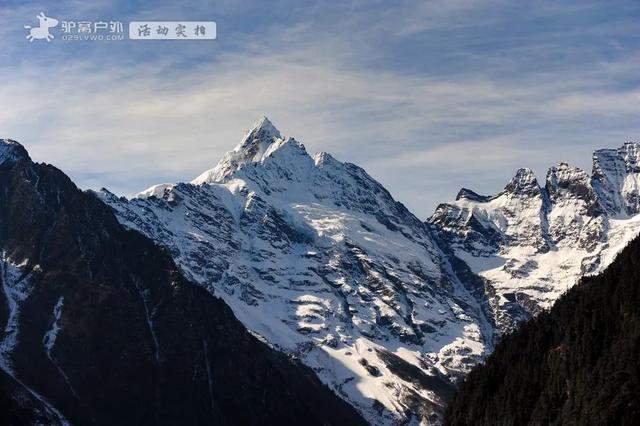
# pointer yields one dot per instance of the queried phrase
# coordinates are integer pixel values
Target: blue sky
(427, 96)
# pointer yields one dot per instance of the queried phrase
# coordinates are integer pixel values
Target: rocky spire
(616, 178)
(252, 148)
(523, 183)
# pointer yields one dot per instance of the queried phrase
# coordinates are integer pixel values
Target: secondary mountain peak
(524, 182)
(570, 182)
(531, 243)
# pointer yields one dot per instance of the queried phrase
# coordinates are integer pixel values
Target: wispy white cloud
(131, 124)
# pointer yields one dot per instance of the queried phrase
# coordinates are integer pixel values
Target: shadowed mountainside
(578, 363)
(98, 326)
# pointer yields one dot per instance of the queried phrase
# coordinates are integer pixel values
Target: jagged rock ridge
(531, 243)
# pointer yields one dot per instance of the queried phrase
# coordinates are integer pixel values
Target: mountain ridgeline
(578, 363)
(532, 242)
(316, 256)
(340, 286)
(99, 326)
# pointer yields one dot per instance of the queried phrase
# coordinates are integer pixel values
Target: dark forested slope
(578, 363)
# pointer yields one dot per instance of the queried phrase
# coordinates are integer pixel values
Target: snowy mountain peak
(565, 181)
(523, 183)
(318, 258)
(255, 144)
(268, 163)
(263, 131)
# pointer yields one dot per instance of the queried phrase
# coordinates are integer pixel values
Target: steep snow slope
(317, 258)
(531, 243)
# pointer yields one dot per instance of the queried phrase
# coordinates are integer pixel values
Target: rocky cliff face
(531, 243)
(98, 325)
(616, 178)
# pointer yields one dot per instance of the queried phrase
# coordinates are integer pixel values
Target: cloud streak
(127, 124)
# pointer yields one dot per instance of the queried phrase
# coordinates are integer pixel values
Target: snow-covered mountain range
(531, 243)
(317, 258)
